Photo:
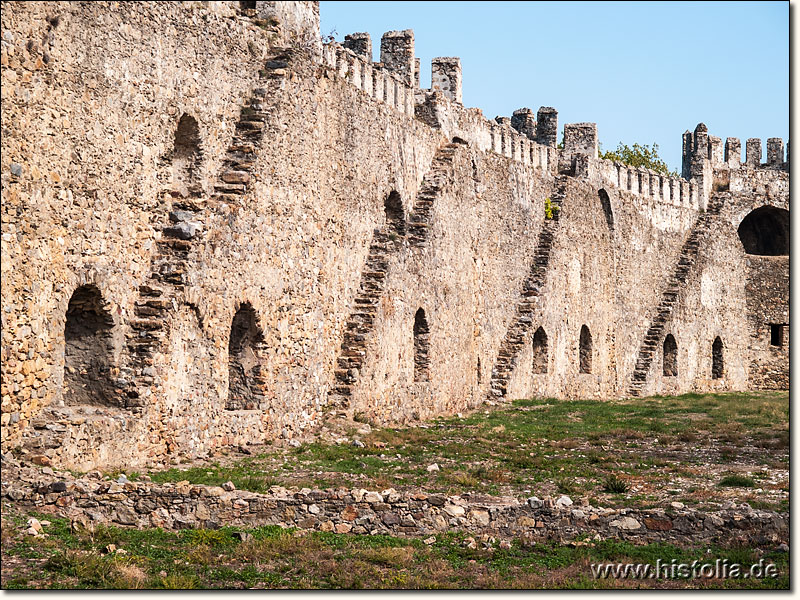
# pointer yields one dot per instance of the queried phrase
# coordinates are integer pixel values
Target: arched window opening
(605, 202)
(765, 232)
(395, 218)
(88, 350)
(717, 362)
(247, 5)
(670, 356)
(186, 155)
(585, 350)
(245, 384)
(421, 347)
(539, 352)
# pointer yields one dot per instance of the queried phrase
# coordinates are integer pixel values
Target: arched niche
(585, 350)
(89, 350)
(717, 359)
(670, 356)
(765, 232)
(245, 384)
(421, 347)
(539, 366)
(186, 155)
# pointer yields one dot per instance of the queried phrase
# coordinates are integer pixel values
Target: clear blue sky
(643, 71)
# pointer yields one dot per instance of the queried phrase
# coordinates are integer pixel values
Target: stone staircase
(386, 241)
(162, 292)
(528, 301)
(669, 297)
(433, 183)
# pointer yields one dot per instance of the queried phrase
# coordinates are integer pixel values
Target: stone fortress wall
(217, 229)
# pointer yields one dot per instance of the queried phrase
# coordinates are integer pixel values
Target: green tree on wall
(638, 155)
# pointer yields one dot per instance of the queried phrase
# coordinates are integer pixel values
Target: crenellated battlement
(446, 77)
(388, 82)
(377, 80)
(579, 158)
(524, 138)
(720, 167)
(699, 146)
(660, 188)
(707, 163)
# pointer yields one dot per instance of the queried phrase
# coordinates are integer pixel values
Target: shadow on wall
(605, 202)
(395, 217)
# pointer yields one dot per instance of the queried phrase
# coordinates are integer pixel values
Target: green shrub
(737, 481)
(550, 209)
(615, 485)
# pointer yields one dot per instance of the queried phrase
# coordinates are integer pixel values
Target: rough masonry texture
(89, 502)
(217, 229)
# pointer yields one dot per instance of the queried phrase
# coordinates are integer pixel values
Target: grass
(699, 449)
(615, 485)
(737, 481)
(272, 557)
(542, 445)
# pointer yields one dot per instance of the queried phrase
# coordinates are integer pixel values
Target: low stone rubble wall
(90, 501)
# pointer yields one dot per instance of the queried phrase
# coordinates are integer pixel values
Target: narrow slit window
(585, 352)
(776, 335)
(717, 363)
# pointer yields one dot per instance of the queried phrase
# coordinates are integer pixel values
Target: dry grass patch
(280, 547)
(625, 434)
(567, 444)
(131, 577)
(397, 557)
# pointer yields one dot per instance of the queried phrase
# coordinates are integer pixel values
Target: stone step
(236, 177)
(354, 359)
(230, 189)
(227, 198)
(250, 125)
(376, 263)
(355, 338)
(179, 245)
(374, 275)
(354, 351)
(242, 148)
(344, 376)
(148, 311)
(148, 324)
(240, 164)
(151, 290)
